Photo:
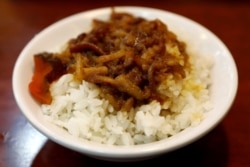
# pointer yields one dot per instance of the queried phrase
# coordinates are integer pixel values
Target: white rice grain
(81, 111)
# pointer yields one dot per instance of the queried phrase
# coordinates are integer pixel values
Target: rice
(80, 109)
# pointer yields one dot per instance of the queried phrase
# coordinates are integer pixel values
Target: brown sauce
(128, 57)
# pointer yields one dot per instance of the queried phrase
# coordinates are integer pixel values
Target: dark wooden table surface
(228, 145)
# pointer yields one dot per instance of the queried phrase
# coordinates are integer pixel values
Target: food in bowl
(127, 81)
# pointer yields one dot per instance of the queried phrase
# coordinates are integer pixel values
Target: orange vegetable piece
(39, 86)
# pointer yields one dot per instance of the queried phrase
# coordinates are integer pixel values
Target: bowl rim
(125, 152)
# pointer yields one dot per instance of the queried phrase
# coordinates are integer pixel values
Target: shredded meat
(128, 57)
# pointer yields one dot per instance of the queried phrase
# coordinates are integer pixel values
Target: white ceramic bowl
(201, 41)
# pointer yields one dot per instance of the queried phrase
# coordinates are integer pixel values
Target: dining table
(227, 145)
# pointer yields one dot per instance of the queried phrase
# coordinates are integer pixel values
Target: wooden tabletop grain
(228, 145)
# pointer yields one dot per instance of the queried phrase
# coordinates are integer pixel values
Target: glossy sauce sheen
(127, 57)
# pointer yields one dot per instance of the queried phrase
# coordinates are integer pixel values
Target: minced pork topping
(127, 57)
